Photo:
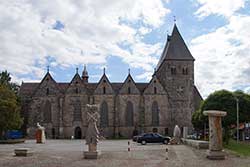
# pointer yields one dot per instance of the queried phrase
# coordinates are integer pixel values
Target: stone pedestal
(215, 134)
(92, 152)
(24, 152)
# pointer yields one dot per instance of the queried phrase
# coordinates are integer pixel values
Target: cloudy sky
(123, 34)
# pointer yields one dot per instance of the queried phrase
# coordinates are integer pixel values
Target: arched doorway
(78, 133)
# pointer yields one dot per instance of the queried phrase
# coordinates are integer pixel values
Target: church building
(125, 108)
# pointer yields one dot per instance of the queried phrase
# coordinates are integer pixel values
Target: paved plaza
(57, 153)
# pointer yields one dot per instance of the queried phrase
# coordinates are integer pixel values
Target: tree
(5, 79)
(226, 101)
(9, 110)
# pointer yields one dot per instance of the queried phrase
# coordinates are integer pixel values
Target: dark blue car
(13, 134)
(152, 138)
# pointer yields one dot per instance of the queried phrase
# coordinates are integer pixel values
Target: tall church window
(129, 90)
(155, 114)
(77, 110)
(104, 119)
(47, 111)
(77, 90)
(129, 114)
(104, 90)
(155, 90)
(47, 91)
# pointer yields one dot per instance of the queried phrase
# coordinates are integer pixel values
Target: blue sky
(124, 34)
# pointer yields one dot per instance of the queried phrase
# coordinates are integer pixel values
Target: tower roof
(175, 48)
(85, 72)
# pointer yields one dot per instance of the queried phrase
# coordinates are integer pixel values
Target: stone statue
(177, 135)
(92, 134)
(40, 134)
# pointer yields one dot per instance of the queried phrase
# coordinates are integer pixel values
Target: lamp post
(237, 110)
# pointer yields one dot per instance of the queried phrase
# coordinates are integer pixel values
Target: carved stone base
(216, 155)
(91, 155)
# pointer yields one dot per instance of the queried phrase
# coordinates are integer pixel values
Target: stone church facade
(125, 108)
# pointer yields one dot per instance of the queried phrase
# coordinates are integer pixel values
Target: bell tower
(175, 71)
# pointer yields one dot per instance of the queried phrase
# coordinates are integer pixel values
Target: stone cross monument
(92, 134)
(215, 134)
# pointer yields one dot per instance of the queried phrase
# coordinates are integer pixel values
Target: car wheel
(165, 141)
(143, 142)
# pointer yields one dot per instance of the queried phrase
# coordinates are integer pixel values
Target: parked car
(13, 134)
(152, 138)
(135, 138)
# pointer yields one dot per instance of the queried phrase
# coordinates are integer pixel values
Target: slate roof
(175, 48)
(27, 89)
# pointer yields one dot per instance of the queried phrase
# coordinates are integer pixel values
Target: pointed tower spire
(174, 19)
(47, 68)
(104, 71)
(76, 70)
(175, 48)
(85, 76)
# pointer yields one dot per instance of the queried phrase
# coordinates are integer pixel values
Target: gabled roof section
(104, 82)
(154, 87)
(129, 86)
(47, 82)
(175, 48)
(76, 85)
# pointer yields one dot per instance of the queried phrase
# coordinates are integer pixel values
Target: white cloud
(93, 30)
(219, 7)
(223, 56)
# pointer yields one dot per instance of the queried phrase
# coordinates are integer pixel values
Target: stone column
(215, 134)
(185, 132)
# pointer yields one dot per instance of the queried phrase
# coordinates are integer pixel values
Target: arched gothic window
(129, 114)
(155, 114)
(77, 110)
(104, 119)
(47, 111)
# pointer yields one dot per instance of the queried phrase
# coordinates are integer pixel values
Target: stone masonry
(126, 108)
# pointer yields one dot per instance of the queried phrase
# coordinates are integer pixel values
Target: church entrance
(78, 133)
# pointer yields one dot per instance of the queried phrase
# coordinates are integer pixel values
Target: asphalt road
(59, 153)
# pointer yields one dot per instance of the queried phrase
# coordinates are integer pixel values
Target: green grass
(242, 149)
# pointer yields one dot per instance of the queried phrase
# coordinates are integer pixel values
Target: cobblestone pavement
(69, 153)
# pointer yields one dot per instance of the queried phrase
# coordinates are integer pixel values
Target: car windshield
(157, 135)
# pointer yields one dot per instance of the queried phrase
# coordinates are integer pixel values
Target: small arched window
(77, 90)
(173, 70)
(104, 90)
(185, 71)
